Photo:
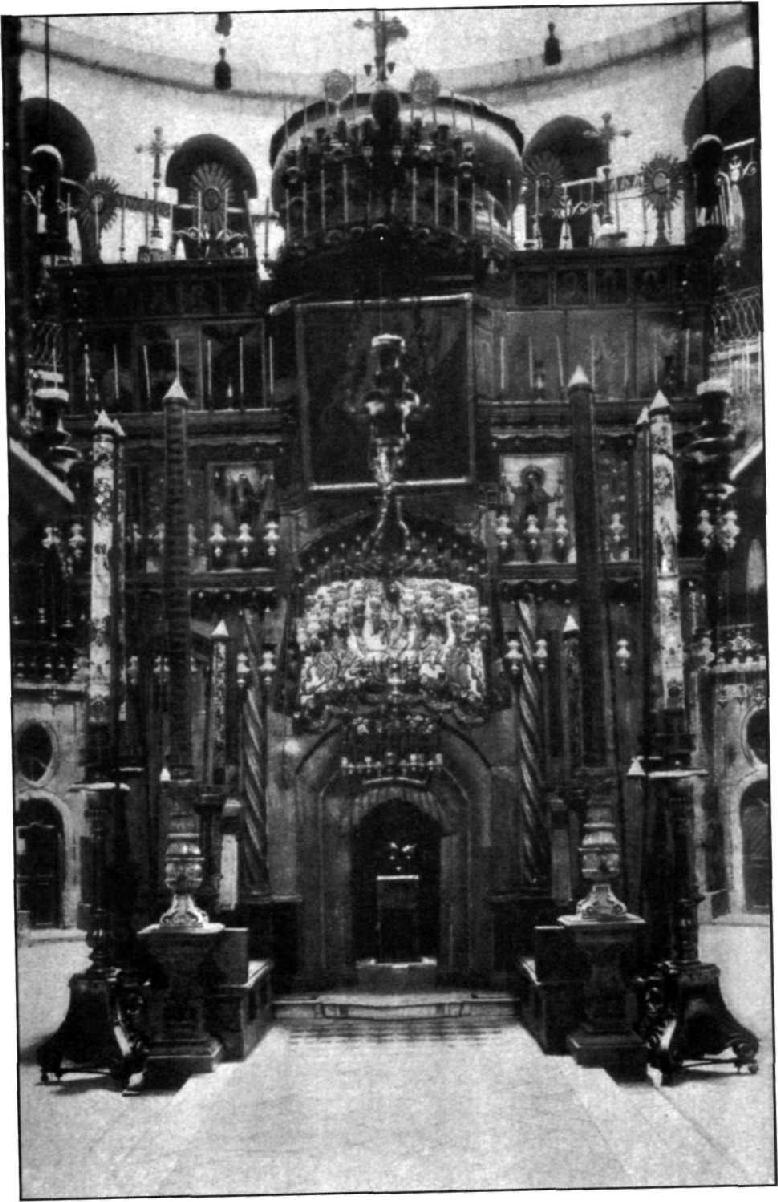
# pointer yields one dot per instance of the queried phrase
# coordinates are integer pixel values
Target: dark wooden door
(39, 871)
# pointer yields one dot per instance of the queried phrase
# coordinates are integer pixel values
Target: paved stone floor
(478, 1109)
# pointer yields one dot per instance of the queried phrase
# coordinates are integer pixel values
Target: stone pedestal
(606, 1037)
(180, 1043)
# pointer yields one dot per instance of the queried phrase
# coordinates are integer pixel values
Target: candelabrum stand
(685, 1020)
(99, 1032)
(609, 940)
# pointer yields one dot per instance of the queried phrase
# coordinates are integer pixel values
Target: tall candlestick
(456, 203)
(344, 189)
(267, 226)
(226, 213)
(86, 374)
(686, 349)
(146, 218)
(453, 114)
(530, 363)
(146, 372)
(123, 229)
(435, 190)
(115, 373)
(502, 363)
(560, 365)
(209, 369)
(271, 366)
(178, 359)
(241, 380)
(591, 359)
(510, 210)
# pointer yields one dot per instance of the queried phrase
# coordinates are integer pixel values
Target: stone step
(649, 1133)
(356, 1006)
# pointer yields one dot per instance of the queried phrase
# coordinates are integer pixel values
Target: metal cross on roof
(607, 133)
(384, 31)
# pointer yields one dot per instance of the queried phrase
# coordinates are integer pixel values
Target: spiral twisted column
(534, 847)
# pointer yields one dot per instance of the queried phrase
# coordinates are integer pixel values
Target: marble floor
(481, 1109)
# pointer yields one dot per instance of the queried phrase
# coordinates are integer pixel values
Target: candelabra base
(685, 1021)
(96, 1035)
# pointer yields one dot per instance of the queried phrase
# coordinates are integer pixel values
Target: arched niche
(563, 150)
(47, 123)
(727, 105)
(214, 181)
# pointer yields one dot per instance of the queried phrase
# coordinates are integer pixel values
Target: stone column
(534, 853)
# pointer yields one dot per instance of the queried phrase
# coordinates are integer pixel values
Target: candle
(146, 372)
(456, 203)
(267, 226)
(530, 362)
(271, 366)
(686, 348)
(146, 218)
(435, 197)
(209, 369)
(123, 225)
(591, 358)
(560, 364)
(86, 374)
(241, 381)
(502, 363)
(510, 210)
(345, 194)
(322, 199)
(115, 373)
(178, 359)
(354, 96)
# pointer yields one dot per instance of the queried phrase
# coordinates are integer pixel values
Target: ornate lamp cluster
(391, 744)
(710, 453)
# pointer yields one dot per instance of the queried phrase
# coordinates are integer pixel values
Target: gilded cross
(384, 32)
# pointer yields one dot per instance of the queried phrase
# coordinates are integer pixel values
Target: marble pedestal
(180, 1043)
(606, 1038)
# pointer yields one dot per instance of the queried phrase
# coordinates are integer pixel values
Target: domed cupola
(395, 172)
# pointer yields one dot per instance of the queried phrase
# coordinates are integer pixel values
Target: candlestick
(178, 359)
(435, 197)
(530, 362)
(146, 218)
(209, 369)
(456, 204)
(686, 350)
(241, 381)
(146, 372)
(122, 229)
(560, 364)
(86, 374)
(115, 373)
(271, 366)
(267, 226)
(344, 189)
(354, 97)
(226, 214)
(502, 363)
(591, 359)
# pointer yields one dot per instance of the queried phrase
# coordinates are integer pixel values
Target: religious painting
(239, 496)
(336, 366)
(535, 494)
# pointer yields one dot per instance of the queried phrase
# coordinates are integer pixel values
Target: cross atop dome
(385, 31)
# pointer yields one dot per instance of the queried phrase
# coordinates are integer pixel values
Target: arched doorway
(755, 824)
(396, 884)
(40, 868)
